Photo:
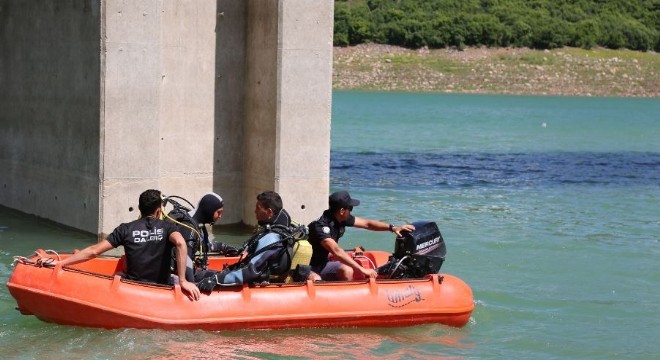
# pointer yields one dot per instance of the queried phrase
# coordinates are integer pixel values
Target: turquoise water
(550, 208)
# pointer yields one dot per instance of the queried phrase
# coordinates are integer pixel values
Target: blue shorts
(329, 271)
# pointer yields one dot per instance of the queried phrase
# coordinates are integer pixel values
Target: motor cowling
(417, 253)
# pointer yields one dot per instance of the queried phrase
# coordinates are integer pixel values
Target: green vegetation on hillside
(537, 24)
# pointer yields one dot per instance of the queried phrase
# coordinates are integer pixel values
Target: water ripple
(495, 170)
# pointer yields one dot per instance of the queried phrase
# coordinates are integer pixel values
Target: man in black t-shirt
(148, 243)
(144, 241)
(324, 234)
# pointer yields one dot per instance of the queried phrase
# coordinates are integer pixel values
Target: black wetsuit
(195, 236)
(265, 249)
(283, 218)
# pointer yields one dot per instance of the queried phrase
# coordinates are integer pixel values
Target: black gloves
(223, 249)
(206, 285)
(229, 250)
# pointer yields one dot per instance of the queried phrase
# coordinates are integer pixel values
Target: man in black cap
(324, 234)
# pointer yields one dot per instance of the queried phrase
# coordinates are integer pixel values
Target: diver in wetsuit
(267, 252)
(191, 224)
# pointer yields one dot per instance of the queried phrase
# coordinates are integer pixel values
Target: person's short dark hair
(150, 200)
(271, 200)
(342, 200)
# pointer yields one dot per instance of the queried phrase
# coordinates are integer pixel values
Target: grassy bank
(566, 71)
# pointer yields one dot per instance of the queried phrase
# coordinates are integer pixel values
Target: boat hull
(90, 295)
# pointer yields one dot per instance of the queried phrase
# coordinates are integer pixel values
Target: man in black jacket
(324, 234)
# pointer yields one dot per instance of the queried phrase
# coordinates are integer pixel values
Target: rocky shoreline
(522, 71)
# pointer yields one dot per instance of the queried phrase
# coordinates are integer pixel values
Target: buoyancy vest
(279, 254)
(195, 235)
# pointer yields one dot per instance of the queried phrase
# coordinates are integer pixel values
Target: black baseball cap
(342, 200)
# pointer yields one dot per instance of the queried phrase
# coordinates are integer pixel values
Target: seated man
(192, 225)
(265, 252)
(148, 243)
(269, 210)
(324, 234)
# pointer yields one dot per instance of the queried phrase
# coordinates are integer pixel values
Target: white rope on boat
(41, 261)
(22, 260)
(54, 253)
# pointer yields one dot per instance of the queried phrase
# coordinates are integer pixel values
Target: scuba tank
(196, 233)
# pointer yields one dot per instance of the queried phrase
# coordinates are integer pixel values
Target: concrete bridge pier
(101, 100)
(288, 97)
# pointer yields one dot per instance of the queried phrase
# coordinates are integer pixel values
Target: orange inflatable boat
(93, 294)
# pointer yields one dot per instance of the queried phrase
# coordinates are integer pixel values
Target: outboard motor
(416, 253)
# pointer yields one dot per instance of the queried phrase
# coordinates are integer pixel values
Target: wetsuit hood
(206, 207)
(282, 218)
